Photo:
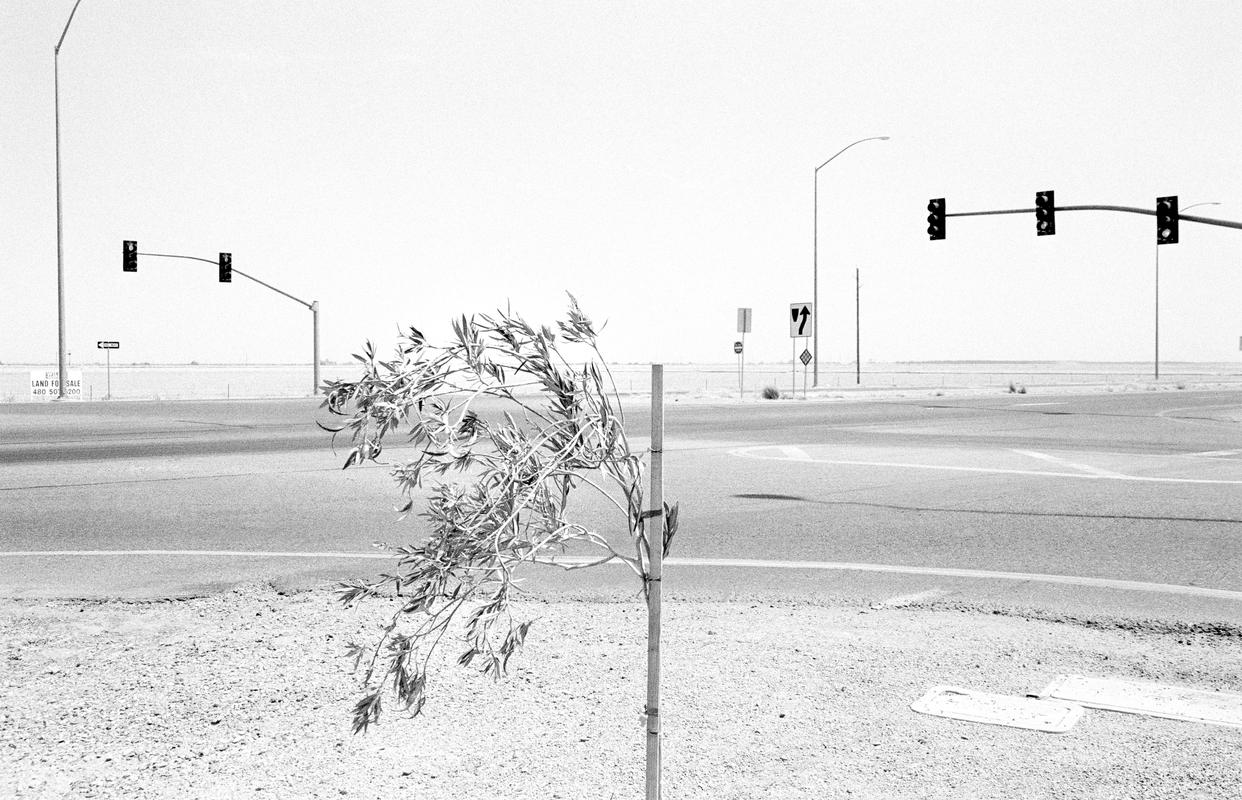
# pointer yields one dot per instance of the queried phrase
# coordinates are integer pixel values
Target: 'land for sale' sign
(45, 384)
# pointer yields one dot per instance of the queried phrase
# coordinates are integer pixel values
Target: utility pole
(60, 248)
(857, 331)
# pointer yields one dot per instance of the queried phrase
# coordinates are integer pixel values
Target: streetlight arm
(848, 146)
(66, 30)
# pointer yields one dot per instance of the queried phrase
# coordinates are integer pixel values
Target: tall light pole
(1156, 364)
(815, 253)
(60, 258)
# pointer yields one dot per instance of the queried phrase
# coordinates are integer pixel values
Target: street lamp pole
(60, 258)
(815, 253)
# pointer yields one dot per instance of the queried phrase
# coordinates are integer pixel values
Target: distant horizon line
(783, 363)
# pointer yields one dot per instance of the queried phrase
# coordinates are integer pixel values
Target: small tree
(568, 433)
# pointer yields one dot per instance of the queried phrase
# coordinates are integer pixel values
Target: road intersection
(1123, 505)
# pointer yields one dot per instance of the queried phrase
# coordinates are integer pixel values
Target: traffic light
(1166, 220)
(1045, 214)
(935, 218)
(226, 268)
(129, 256)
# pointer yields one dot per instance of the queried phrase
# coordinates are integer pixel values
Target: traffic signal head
(935, 218)
(1166, 220)
(129, 256)
(226, 268)
(1045, 214)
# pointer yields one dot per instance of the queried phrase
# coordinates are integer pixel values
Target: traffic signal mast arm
(1224, 223)
(236, 271)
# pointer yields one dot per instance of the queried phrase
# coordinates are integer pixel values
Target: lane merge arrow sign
(800, 320)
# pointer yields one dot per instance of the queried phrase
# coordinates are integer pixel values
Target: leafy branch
(561, 428)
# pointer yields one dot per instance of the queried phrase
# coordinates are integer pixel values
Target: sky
(405, 163)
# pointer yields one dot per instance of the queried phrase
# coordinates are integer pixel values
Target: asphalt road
(1109, 506)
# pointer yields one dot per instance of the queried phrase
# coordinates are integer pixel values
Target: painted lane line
(745, 452)
(218, 553)
(1216, 453)
(742, 563)
(1074, 580)
(1103, 473)
(1027, 405)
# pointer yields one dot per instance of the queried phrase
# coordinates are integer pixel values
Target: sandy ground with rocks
(248, 694)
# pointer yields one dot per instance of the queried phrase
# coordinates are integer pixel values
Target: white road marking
(747, 452)
(910, 599)
(1058, 403)
(221, 553)
(795, 453)
(1216, 453)
(1170, 415)
(743, 563)
(1103, 473)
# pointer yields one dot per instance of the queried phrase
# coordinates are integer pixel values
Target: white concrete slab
(1151, 699)
(1051, 716)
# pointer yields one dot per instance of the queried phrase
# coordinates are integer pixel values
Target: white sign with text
(45, 384)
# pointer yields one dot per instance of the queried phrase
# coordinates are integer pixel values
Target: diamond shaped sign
(805, 358)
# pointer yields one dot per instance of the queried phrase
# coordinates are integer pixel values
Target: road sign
(805, 358)
(801, 323)
(743, 320)
(108, 345)
(737, 347)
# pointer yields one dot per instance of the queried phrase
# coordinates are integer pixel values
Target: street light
(1156, 360)
(60, 259)
(815, 253)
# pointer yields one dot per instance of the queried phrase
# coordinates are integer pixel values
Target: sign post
(743, 327)
(108, 347)
(806, 359)
(801, 324)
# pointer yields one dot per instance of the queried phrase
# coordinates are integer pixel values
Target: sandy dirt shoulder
(248, 694)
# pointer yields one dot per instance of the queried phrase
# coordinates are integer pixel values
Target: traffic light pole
(313, 306)
(1174, 216)
(1223, 223)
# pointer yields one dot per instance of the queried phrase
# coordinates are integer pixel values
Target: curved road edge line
(743, 563)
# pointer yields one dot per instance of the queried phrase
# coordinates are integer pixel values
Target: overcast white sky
(405, 162)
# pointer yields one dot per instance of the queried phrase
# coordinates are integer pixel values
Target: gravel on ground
(248, 694)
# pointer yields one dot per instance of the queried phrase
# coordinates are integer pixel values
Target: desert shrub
(563, 430)
(771, 393)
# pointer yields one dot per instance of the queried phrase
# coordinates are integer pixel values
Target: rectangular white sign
(801, 320)
(743, 320)
(45, 384)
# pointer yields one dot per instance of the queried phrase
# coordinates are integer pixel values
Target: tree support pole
(654, 531)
